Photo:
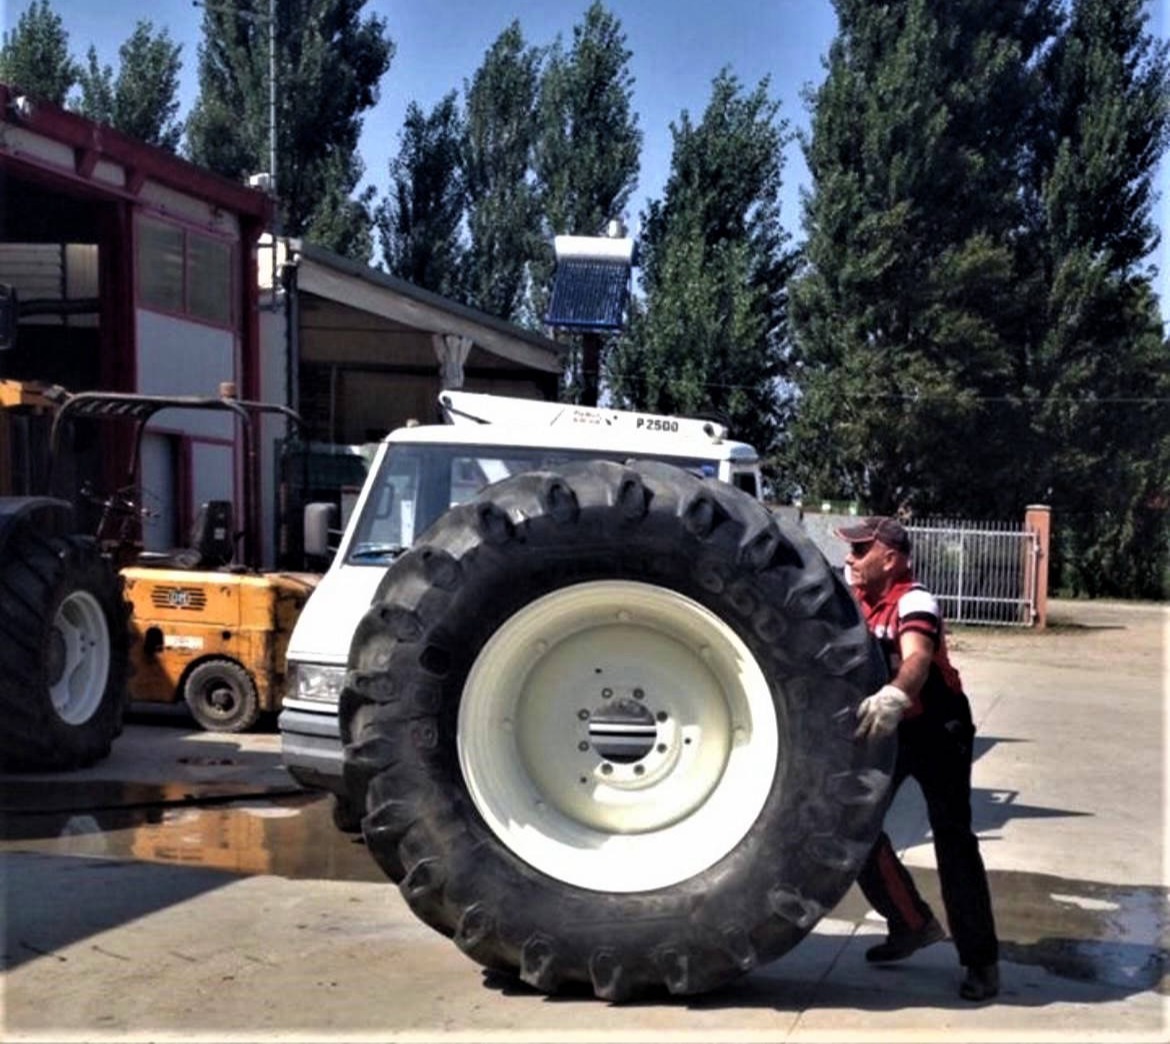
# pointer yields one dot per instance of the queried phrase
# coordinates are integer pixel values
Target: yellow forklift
(207, 625)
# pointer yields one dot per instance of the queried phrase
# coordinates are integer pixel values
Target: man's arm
(879, 714)
(917, 651)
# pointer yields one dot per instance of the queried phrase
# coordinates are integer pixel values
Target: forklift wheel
(222, 696)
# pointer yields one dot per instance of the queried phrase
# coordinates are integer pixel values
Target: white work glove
(878, 715)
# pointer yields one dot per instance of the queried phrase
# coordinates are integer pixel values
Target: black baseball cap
(885, 530)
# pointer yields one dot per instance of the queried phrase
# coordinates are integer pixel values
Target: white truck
(593, 704)
(420, 472)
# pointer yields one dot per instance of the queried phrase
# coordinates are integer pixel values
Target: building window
(160, 266)
(184, 272)
(209, 279)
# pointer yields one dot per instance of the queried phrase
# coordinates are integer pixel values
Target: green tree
(329, 63)
(502, 208)
(710, 337)
(419, 221)
(142, 100)
(35, 55)
(587, 147)
(1100, 374)
(909, 310)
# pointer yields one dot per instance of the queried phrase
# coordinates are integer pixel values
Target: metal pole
(272, 99)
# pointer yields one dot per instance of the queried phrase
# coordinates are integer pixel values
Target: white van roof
(477, 419)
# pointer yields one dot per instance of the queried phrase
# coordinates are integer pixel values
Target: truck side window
(746, 480)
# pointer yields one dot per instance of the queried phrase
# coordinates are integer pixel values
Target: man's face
(870, 565)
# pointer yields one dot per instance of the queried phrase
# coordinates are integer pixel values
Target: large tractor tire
(601, 719)
(64, 652)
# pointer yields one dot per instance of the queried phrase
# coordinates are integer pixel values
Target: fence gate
(980, 572)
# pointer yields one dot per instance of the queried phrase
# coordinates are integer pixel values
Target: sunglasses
(860, 550)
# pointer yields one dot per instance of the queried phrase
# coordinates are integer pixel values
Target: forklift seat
(212, 542)
(212, 536)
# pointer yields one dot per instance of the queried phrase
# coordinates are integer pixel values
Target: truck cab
(420, 472)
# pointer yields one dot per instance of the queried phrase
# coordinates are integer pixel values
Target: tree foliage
(710, 336)
(1101, 370)
(906, 312)
(142, 99)
(420, 221)
(587, 148)
(329, 63)
(972, 329)
(502, 208)
(35, 55)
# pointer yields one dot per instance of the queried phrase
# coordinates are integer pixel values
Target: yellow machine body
(182, 617)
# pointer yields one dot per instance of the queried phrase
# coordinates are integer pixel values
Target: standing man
(925, 703)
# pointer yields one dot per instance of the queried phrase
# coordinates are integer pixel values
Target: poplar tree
(974, 327)
(329, 64)
(586, 153)
(419, 221)
(502, 209)
(142, 99)
(908, 311)
(35, 55)
(709, 337)
(1101, 369)
(587, 149)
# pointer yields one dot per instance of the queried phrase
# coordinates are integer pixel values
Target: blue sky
(678, 47)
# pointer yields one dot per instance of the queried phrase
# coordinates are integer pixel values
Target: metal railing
(980, 572)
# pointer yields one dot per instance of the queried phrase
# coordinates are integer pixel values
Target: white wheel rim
(79, 661)
(622, 807)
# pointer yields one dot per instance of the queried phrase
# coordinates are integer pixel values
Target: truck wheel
(64, 652)
(221, 696)
(602, 719)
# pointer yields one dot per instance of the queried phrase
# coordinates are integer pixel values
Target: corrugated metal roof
(589, 295)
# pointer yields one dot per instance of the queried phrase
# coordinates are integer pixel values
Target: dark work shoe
(981, 982)
(898, 947)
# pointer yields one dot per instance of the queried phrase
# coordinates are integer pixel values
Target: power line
(1019, 400)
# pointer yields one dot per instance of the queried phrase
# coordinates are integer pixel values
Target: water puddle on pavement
(1085, 930)
(1118, 935)
(285, 833)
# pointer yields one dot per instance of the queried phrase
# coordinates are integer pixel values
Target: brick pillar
(1038, 518)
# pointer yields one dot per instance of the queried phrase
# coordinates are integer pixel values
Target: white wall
(180, 357)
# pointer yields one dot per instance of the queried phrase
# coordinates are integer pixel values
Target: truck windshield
(418, 482)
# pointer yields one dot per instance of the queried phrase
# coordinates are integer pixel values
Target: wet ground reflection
(1117, 935)
(285, 833)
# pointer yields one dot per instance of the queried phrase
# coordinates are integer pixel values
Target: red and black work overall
(934, 747)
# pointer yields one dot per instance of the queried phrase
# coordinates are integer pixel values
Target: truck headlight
(314, 681)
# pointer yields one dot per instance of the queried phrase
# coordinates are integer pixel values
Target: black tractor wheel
(347, 816)
(221, 696)
(64, 652)
(601, 720)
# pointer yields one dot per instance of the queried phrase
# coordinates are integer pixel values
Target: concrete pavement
(185, 890)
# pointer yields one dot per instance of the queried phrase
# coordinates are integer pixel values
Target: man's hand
(878, 715)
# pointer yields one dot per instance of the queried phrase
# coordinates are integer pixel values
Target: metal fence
(980, 572)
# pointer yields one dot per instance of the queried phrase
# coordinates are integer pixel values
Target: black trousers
(937, 754)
